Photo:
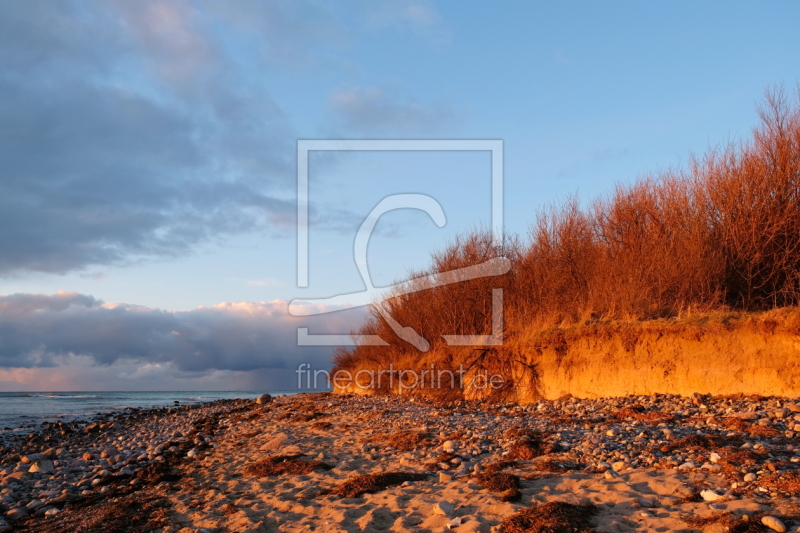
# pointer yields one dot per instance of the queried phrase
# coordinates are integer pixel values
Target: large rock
(109, 451)
(444, 508)
(16, 514)
(774, 524)
(264, 398)
(32, 458)
(276, 443)
(43, 467)
(34, 504)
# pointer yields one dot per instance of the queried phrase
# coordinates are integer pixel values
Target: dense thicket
(723, 233)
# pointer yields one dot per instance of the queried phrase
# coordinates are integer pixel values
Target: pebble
(750, 477)
(711, 496)
(43, 467)
(276, 443)
(774, 524)
(443, 508)
(454, 523)
(17, 513)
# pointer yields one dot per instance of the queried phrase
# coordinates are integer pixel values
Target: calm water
(33, 408)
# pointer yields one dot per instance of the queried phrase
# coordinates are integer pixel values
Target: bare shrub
(722, 235)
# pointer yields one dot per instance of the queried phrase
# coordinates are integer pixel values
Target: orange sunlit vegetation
(722, 234)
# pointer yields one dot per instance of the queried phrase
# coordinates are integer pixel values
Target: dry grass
(763, 431)
(638, 412)
(556, 465)
(135, 513)
(498, 466)
(787, 482)
(505, 484)
(728, 521)
(283, 465)
(527, 449)
(441, 458)
(370, 483)
(735, 424)
(403, 441)
(522, 431)
(551, 517)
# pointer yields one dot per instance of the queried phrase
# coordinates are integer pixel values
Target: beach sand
(285, 466)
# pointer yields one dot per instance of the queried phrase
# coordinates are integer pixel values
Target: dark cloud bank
(38, 330)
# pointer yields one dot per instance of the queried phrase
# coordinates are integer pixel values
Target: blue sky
(147, 155)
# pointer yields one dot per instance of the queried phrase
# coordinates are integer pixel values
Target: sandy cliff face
(756, 354)
(715, 354)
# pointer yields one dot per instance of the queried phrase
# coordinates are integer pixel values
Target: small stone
(454, 523)
(714, 457)
(192, 453)
(87, 456)
(711, 496)
(444, 477)
(449, 446)
(443, 508)
(610, 474)
(750, 477)
(619, 466)
(774, 524)
(611, 433)
(51, 512)
(646, 503)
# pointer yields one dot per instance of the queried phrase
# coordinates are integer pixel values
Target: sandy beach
(323, 462)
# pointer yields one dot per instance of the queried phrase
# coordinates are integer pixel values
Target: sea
(22, 411)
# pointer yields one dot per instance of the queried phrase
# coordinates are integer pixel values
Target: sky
(148, 157)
